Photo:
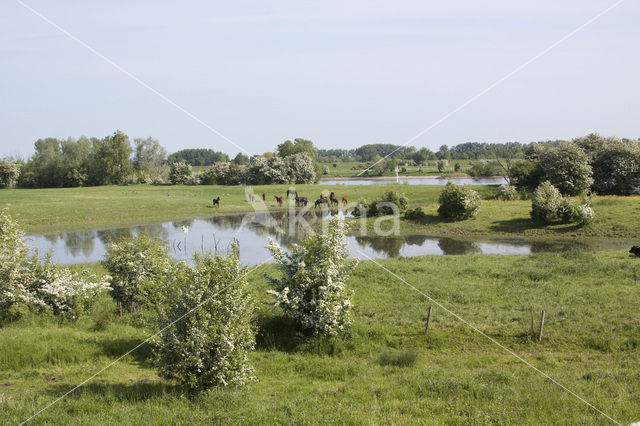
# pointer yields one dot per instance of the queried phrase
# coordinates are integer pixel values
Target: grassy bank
(71, 209)
(389, 371)
(43, 210)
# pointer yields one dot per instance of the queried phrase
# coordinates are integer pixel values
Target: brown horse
(333, 199)
(278, 199)
(251, 197)
(345, 200)
(264, 197)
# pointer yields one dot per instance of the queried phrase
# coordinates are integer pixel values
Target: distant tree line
(605, 165)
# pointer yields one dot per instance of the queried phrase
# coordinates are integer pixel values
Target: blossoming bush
(548, 206)
(27, 284)
(458, 202)
(507, 192)
(545, 203)
(206, 326)
(312, 287)
(139, 266)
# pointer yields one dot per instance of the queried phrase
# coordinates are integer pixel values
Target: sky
(243, 75)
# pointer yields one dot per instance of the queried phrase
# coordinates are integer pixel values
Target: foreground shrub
(206, 324)
(458, 202)
(312, 288)
(584, 214)
(507, 192)
(26, 284)
(138, 266)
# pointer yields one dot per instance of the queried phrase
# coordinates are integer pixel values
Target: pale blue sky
(340, 75)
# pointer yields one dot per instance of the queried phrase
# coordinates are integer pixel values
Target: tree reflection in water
(457, 247)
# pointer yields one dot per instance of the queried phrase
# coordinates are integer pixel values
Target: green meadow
(388, 371)
(103, 207)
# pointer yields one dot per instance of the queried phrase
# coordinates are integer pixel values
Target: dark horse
(278, 199)
(264, 197)
(320, 202)
(301, 201)
(345, 200)
(216, 202)
(333, 199)
(635, 250)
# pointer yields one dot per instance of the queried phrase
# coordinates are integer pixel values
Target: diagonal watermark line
(499, 81)
(494, 341)
(130, 75)
(143, 343)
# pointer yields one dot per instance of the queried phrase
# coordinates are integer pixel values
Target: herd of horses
(331, 201)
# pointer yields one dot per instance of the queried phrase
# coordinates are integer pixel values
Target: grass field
(389, 371)
(71, 209)
(354, 168)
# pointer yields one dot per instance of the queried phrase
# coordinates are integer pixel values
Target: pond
(185, 238)
(414, 181)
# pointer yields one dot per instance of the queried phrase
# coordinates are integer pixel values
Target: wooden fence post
(426, 329)
(541, 326)
(531, 330)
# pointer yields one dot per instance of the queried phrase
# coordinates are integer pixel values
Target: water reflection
(184, 238)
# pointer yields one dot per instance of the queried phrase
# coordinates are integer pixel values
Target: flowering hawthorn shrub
(458, 202)
(206, 324)
(312, 288)
(548, 205)
(507, 192)
(138, 266)
(25, 283)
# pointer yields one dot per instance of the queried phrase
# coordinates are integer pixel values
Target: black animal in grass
(301, 201)
(216, 202)
(635, 250)
(321, 202)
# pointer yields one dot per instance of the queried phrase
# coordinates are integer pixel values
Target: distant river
(414, 181)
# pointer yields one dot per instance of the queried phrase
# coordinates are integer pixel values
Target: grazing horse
(320, 202)
(301, 201)
(278, 199)
(635, 250)
(216, 202)
(251, 197)
(291, 192)
(345, 200)
(264, 197)
(333, 199)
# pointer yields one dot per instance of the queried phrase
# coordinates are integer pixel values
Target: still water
(185, 238)
(415, 181)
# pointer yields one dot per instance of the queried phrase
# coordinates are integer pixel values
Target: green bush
(458, 202)
(180, 173)
(545, 203)
(139, 267)
(507, 192)
(548, 206)
(416, 214)
(312, 289)
(206, 324)
(383, 206)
